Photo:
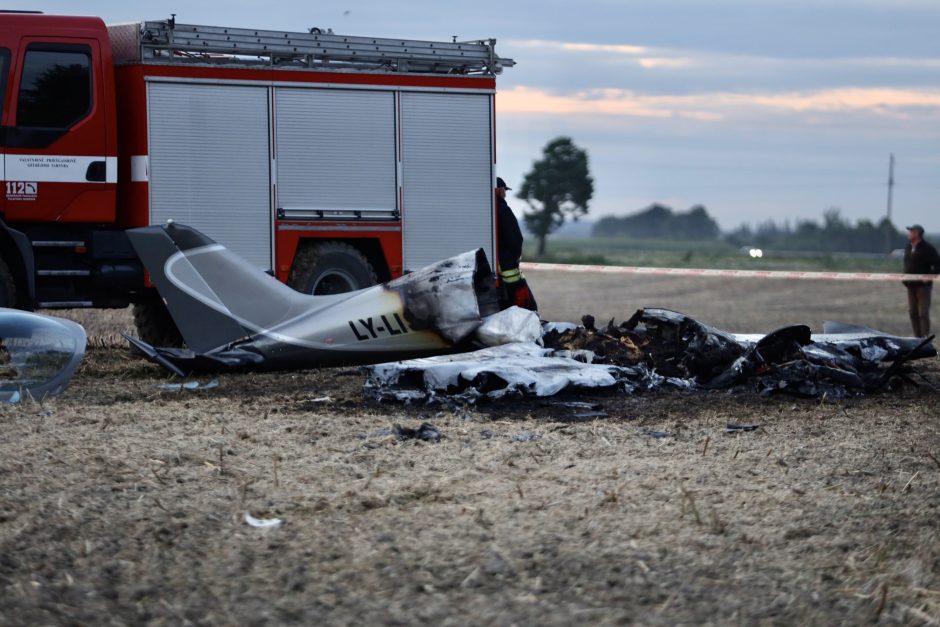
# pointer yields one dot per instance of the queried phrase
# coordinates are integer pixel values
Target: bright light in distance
(756, 253)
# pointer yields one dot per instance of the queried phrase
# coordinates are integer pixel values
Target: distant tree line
(660, 222)
(833, 234)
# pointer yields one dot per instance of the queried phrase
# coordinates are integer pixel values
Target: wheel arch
(371, 249)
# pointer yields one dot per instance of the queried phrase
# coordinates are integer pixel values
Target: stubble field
(124, 504)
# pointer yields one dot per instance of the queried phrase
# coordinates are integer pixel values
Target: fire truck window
(55, 90)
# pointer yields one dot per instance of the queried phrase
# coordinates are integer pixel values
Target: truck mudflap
(234, 317)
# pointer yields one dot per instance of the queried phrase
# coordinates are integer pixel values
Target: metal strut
(166, 41)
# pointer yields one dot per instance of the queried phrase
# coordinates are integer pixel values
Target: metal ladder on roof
(168, 42)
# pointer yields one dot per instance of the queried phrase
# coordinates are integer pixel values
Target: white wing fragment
(263, 523)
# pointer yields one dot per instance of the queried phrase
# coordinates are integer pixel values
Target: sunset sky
(757, 109)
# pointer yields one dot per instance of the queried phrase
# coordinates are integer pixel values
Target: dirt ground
(124, 504)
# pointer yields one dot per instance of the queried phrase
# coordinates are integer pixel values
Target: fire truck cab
(331, 161)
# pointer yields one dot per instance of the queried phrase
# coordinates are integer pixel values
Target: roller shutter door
(447, 176)
(336, 151)
(210, 164)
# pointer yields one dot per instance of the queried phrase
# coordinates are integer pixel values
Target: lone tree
(558, 185)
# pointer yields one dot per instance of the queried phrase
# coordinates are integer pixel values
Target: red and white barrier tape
(741, 274)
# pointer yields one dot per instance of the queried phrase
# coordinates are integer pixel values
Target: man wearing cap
(515, 288)
(920, 257)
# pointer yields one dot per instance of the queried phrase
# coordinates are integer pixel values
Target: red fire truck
(331, 161)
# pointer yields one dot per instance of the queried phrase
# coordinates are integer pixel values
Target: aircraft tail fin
(214, 296)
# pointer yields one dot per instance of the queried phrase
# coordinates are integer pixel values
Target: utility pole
(889, 227)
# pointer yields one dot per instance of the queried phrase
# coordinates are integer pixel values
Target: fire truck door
(58, 163)
(4, 75)
(58, 166)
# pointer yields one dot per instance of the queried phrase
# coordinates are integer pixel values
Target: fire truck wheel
(7, 286)
(330, 268)
(155, 325)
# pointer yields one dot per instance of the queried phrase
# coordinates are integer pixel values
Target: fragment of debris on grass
(658, 435)
(263, 523)
(191, 386)
(584, 415)
(426, 432)
(526, 436)
(733, 428)
(314, 404)
(573, 405)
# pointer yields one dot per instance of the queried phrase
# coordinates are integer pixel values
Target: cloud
(645, 57)
(714, 106)
(578, 46)
(877, 100)
(664, 62)
(655, 57)
(609, 48)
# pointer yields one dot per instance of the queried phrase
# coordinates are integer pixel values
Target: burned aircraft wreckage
(659, 349)
(234, 317)
(445, 322)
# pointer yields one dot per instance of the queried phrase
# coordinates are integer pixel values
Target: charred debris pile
(662, 349)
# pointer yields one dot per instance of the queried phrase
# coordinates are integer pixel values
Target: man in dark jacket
(920, 257)
(509, 239)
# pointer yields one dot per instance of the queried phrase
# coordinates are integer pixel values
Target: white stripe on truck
(56, 168)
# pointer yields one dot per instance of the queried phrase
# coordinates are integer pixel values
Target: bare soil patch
(121, 503)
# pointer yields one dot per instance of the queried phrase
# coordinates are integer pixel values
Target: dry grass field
(124, 504)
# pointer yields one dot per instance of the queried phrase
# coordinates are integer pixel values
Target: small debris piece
(426, 433)
(590, 414)
(657, 434)
(189, 385)
(572, 404)
(315, 404)
(263, 523)
(526, 436)
(486, 434)
(510, 325)
(731, 428)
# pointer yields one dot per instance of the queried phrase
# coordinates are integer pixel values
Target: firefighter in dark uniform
(920, 257)
(515, 289)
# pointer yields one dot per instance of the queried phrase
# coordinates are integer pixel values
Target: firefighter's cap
(501, 183)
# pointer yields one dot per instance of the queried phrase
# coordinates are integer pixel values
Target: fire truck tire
(7, 286)
(155, 325)
(330, 268)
